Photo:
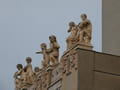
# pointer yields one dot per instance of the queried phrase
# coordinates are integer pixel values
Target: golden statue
(72, 39)
(53, 50)
(85, 30)
(28, 71)
(46, 57)
(36, 78)
(18, 76)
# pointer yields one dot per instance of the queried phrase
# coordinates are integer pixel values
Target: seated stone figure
(72, 39)
(46, 57)
(85, 30)
(53, 50)
(28, 71)
(19, 77)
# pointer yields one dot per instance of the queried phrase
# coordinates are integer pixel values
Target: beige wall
(111, 26)
(98, 71)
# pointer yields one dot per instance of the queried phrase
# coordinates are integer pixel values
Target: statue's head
(83, 17)
(52, 38)
(43, 46)
(71, 24)
(19, 66)
(28, 60)
(36, 69)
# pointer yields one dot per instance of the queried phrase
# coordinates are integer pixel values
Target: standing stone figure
(53, 50)
(28, 71)
(72, 39)
(36, 78)
(46, 57)
(85, 30)
(18, 76)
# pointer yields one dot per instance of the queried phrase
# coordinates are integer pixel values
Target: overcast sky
(24, 24)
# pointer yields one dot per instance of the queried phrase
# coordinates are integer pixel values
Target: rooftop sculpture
(51, 54)
(24, 76)
(41, 78)
(81, 33)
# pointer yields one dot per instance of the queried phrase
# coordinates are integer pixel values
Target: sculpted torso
(29, 74)
(54, 48)
(73, 33)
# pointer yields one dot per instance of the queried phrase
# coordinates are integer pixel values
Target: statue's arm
(15, 75)
(51, 48)
(69, 30)
(56, 45)
(40, 52)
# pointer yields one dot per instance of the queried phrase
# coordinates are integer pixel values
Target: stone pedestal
(83, 46)
(80, 46)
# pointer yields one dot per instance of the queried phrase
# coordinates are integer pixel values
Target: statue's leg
(87, 37)
(48, 61)
(71, 43)
(68, 43)
(56, 59)
(81, 37)
(52, 59)
(44, 64)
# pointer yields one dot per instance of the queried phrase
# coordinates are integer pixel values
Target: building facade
(85, 70)
(111, 24)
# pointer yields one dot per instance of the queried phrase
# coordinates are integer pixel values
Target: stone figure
(46, 57)
(36, 70)
(53, 50)
(72, 39)
(18, 76)
(28, 71)
(44, 79)
(36, 78)
(85, 30)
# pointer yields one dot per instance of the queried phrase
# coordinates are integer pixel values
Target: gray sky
(24, 24)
